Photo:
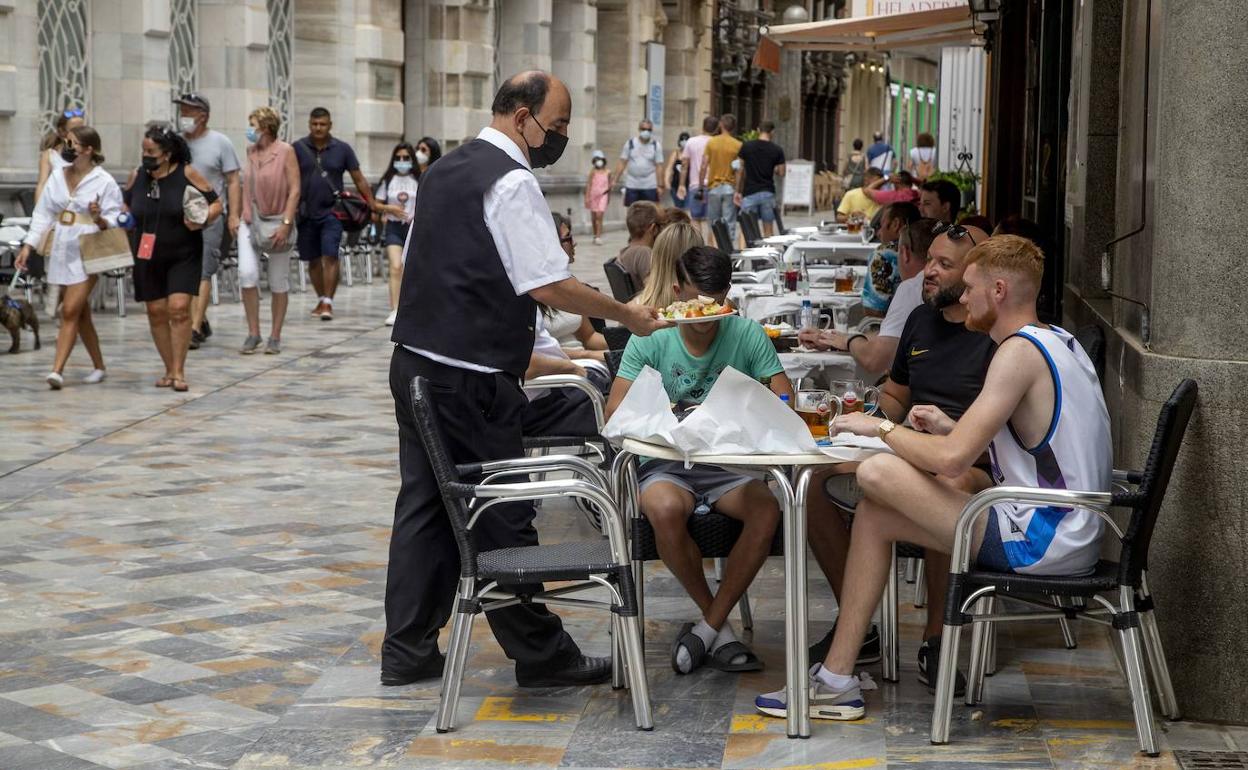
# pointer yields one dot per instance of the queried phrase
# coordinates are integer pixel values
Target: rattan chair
(750, 228)
(973, 591)
(598, 563)
(622, 286)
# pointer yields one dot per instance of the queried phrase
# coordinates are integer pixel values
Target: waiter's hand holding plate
(643, 320)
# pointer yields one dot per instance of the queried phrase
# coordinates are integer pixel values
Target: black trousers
(480, 418)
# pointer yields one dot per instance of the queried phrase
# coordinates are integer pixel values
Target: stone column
(379, 49)
(783, 104)
(19, 95)
(573, 32)
(524, 36)
(233, 36)
(449, 76)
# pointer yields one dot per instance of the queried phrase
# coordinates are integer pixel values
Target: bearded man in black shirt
(939, 362)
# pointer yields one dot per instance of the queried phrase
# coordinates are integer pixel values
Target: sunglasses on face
(955, 232)
(74, 114)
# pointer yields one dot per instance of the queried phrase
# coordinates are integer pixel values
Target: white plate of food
(696, 311)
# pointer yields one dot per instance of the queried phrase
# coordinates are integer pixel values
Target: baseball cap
(193, 100)
(599, 154)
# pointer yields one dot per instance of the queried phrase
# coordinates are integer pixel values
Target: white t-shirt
(906, 298)
(401, 187)
(644, 159)
(694, 155)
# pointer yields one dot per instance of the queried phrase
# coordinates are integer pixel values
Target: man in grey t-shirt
(213, 156)
(640, 161)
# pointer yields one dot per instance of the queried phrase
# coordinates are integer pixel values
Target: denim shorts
(720, 205)
(214, 238)
(396, 233)
(697, 206)
(319, 237)
(632, 195)
(761, 203)
(707, 483)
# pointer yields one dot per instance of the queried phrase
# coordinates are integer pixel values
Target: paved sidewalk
(195, 581)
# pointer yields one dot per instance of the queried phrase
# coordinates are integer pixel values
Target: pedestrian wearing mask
(598, 193)
(641, 161)
(484, 252)
(213, 156)
(270, 201)
(79, 198)
(673, 169)
(168, 244)
(396, 201)
(50, 151)
(427, 153)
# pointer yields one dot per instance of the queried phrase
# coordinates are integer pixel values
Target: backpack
(854, 171)
(925, 168)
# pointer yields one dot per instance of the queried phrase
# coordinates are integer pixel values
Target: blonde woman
(673, 241)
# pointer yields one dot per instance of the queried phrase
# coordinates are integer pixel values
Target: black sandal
(721, 659)
(693, 645)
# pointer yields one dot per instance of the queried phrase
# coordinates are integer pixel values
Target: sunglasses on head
(955, 232)
(74, 114)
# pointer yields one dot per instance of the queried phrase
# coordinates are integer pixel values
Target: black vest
(456, 299)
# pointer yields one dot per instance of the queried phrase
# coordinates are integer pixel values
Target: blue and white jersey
(1076, 454)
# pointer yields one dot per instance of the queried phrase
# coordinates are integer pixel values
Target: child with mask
(396, 192)
(598, 192)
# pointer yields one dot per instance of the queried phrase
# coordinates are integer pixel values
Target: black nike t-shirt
(942, 363)
(760, 158)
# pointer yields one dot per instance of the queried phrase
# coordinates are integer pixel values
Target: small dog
(14, 314)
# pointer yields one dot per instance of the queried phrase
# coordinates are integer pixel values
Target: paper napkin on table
(849, 448)
(645, 413)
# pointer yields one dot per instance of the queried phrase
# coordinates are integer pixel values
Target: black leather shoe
(206, 330)
(430, 669)
(577, 672)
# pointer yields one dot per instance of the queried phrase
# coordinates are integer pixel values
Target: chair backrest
(1092, 339)
(449, 484)
(1150, 492)
(617, 337)
(719, 228)
(621, 282)
(26, 199)
(749, 228)
(612, 359)
(779, 221)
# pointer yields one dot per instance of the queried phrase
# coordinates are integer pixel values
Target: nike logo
(916, 352)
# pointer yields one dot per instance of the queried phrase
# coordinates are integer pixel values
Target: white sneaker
(54, 380)
(390, 318)
(597, 241)
(96, 376)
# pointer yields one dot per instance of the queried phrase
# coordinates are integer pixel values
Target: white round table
(757, 302)
(830, 251)
(792, 474)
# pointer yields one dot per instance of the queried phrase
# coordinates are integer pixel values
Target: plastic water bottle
(806, 316)
(784, 399)
(125, 220)
(777, 280)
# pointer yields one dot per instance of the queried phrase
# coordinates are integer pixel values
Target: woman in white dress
(50, 159)
(78, 199)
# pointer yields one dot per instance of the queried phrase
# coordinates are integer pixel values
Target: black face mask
(69, 154)
(551, 149)
(150, 164)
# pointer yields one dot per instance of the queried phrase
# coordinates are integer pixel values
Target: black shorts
(158, 277)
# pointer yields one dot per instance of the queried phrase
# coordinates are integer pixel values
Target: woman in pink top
(597, 192)
(270, 200)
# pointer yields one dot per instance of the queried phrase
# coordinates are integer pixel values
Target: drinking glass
(844, 279)
(816, 408)
(853, 396)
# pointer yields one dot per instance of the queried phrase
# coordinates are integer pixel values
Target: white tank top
(1075, 454)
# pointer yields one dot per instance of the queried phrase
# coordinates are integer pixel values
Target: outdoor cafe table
(794, 486)
(838, 250)
(838, 366)
(757, 302)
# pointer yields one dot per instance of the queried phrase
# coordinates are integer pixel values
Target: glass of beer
(853, 396)
(854, 224)
(817, 408)
(844, 279)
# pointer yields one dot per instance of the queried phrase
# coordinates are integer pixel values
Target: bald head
(946, 264)
(530, 104)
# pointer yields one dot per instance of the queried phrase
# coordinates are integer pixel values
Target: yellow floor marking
(498, 709)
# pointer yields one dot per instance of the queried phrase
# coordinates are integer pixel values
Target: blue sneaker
(825, 703)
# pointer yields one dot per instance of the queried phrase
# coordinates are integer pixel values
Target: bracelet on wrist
(849, 343)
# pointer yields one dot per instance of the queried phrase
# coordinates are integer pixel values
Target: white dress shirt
(518, 218)
(65, 262)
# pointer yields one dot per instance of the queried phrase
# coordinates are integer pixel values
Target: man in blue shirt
(881, 155)
(322, 162)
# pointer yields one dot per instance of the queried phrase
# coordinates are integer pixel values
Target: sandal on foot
(180, 385)
(693, 645)
(721, 659)
(165, 382)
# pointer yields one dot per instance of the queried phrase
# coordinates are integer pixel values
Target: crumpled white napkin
(851, 448)
(645, 413)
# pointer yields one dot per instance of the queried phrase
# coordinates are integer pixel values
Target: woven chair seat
(1103, 578)
(714, 533)
(538, 563)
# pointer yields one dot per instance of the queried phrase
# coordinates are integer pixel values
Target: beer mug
(853, 396)
(844, 279)
(817, 408)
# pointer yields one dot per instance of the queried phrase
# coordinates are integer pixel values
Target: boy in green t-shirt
(690, 359)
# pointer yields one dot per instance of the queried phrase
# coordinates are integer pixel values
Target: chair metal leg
(121, 296)
(1157, 658)
(368, 266)
(453, 673)
(1137, 681)
(943, 709)
(617, 657)
(347, 272)
(990, 667)
(981, 638)
(747, 616)
(920, 584)
(891, 663)
(635, 662)
(216, 297)
(303, 277)
(639, 586)
(911, 569)
(1068, 633)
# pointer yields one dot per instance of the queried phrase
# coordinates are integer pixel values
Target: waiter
(481, 252)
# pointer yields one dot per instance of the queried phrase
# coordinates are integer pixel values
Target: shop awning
(920, 29)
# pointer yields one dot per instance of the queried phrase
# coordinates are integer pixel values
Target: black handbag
(350, 209)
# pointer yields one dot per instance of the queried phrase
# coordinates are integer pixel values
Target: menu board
(799, 184)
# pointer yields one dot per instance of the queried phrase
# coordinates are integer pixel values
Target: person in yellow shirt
(857, 200)
(719, 175)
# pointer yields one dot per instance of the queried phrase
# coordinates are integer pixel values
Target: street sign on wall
(656, 71)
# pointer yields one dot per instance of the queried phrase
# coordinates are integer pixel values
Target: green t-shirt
(740, 343)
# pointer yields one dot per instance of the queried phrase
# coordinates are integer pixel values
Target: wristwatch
(886, 427)
(287, 221)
